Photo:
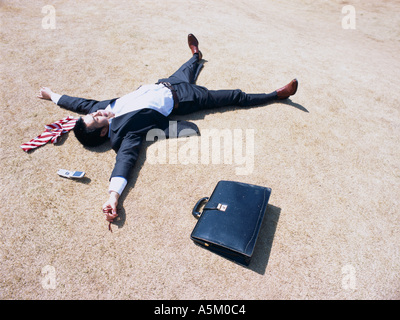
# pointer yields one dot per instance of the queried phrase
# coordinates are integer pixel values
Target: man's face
(98, 119)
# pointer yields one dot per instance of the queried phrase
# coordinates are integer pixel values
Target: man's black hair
(88, 137)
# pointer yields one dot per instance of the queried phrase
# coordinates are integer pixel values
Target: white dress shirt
(151, 96)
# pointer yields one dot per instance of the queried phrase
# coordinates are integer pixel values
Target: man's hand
(110, 207)
(45, 93)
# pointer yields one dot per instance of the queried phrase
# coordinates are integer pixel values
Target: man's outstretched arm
(125, 161)
(79, 105)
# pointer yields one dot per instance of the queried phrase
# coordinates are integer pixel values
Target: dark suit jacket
(128, 131)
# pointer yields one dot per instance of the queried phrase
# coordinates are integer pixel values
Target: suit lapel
(118, 122)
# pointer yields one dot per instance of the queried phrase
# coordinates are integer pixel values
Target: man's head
(92, 130)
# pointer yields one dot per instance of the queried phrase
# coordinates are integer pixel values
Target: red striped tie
(52, 132)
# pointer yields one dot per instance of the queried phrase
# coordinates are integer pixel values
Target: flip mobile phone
(71, 174)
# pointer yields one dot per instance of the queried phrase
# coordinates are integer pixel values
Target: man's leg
(188, 72)
(210, 99)
(202, 98)
(223, 98)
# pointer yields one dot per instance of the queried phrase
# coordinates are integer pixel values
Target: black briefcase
(230, 220)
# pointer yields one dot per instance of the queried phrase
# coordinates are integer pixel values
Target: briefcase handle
(195, 212)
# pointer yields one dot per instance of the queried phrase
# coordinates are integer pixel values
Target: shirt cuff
(55, 97)
(117, 184)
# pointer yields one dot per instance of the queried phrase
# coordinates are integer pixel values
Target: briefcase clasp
(222, 207)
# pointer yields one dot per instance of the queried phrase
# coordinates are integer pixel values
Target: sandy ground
(330, 154)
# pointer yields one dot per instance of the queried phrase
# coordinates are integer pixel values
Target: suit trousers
(194, 98)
